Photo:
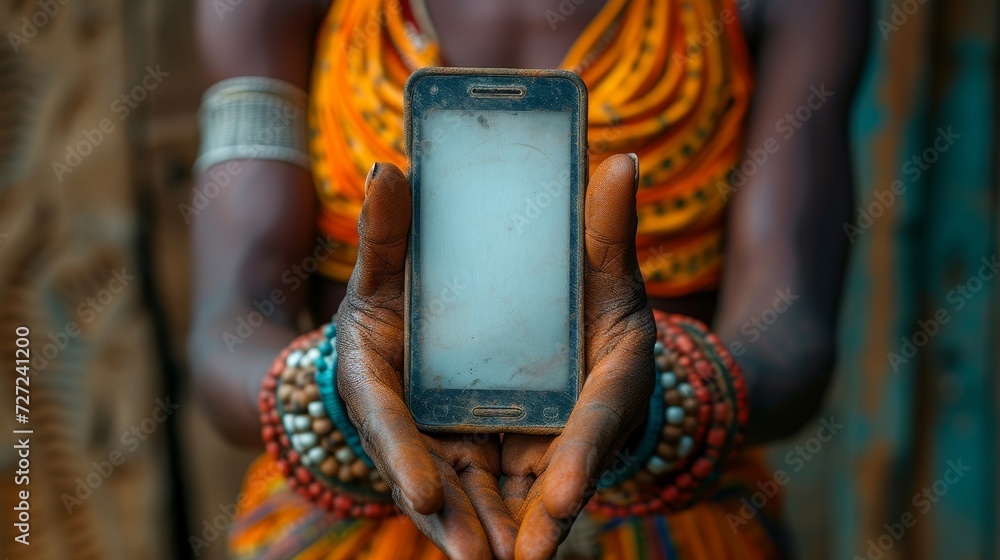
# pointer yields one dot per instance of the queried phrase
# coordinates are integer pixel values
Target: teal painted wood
(873, 462)
(961, 252)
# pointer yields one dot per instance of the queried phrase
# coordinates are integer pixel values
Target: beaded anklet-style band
(691, 433)
(307, 431)
(696, 419)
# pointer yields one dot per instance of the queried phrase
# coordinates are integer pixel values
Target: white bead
(657, 348)
(344, 455)
(302, 423)
(310, 357)
(288, 421)
(685, 390)
(305, 459)
(668, 380)
(316, 409)
(674, 415)
(656, 465)
(293, 358)
(317, 454)
(685, 446)
(306, 440)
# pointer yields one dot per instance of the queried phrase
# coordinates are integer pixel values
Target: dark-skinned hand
(448, 484)
(550, 479)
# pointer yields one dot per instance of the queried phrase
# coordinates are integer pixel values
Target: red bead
(356, 511)
(303, 475)
(292, 483)
(267, 433)
(684, 480)
(342, 503)
(639, 509)
(284, 468)
(702, 467)
(656, 505)
(283, 440)
(722, 413)
(325, 501)
(269, 382)
(372, 511)
(717, 437)
(669, 494)
(315, 490)
(273, 449)
(704, 413)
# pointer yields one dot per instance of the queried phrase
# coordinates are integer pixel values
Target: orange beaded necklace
(668, 80)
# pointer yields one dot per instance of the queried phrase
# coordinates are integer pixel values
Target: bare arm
(786, 244)
(259, 226)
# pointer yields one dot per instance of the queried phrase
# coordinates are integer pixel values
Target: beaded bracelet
(307, 431)
(691, 433)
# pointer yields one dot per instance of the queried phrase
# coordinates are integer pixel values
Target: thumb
(610, 217)
(382, 231)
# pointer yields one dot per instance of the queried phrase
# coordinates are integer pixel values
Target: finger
(523, 459)
(382, 232)
(456, 528)
(500, 527)
(612, 404)
(476, 459)
(540, 533)
(370, 386)
(611, 217)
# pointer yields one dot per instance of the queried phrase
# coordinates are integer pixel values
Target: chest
(508, 33)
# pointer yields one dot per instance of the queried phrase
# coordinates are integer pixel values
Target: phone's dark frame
(521, 411)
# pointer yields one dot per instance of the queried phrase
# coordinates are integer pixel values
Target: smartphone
(494, 286)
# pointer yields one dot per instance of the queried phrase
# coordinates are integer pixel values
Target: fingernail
(635, 160)
(371, 177)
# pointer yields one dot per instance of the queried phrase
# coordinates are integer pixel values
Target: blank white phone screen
(494, 250)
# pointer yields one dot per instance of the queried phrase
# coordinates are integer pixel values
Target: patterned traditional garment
(668, 80)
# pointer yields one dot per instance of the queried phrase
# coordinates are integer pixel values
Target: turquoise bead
(675, 415)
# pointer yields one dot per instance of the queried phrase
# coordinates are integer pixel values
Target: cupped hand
(550, 479)
(447, 484)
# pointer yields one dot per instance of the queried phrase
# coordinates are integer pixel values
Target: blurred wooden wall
(63, 236)
(933, 69)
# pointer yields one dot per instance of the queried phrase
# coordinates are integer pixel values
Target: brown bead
(337, 438)
(322, 426)
(690, 425)
(344, 474)
(329, 467)
(672, 397)
(311, 392)
(643, 477)
(296, 403)
(690, 406)
(359, 469)
(666, 452)
(380, 486)
(662, 362)
(672, 433)
(288, 374)
(284, 393)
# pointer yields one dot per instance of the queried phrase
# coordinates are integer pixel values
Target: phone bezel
(451, 410)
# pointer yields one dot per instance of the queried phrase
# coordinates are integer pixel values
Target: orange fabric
(668, 80)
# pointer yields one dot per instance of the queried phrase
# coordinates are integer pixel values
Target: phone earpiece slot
(503, 92)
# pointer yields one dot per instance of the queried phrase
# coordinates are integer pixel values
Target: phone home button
(440, 411)
(498, 411)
